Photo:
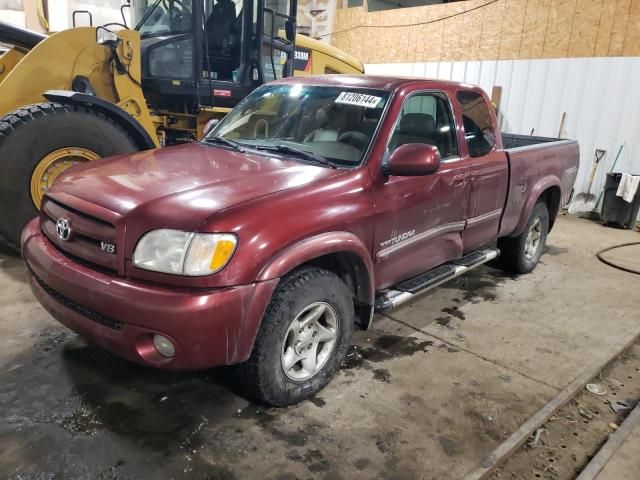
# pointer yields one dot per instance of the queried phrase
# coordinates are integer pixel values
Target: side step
(407, 290)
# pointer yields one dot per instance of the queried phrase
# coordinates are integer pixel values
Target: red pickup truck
(316, 202)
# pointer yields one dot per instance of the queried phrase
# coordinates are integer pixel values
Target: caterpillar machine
(92, 92)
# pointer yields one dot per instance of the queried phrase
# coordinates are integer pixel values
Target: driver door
(419, 220)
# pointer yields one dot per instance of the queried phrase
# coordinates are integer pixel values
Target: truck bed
(513, 140)
(532, 159)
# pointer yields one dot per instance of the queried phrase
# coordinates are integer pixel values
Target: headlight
(184, 253)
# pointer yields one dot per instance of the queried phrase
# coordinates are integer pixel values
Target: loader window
(223, 39)
(275, 61)
(155, 18)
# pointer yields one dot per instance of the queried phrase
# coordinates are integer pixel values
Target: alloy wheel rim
(309, 341)
(532, 243)
(52, 165)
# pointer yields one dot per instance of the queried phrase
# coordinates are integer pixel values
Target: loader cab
(212, 53)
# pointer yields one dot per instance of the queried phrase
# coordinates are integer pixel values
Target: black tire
(514, 257)
(263, 376)
(28, 135)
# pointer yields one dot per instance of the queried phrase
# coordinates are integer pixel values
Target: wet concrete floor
(427, 393)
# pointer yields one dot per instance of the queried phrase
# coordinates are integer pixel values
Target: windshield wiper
(229, 143)
(299, 153)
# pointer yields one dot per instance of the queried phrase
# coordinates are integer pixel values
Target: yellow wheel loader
(92, 92)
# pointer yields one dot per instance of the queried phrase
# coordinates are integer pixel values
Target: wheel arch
(123, 119)
(342, 253)
(547, 189)
(551, 196)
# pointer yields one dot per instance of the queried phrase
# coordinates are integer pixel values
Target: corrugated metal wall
(601, 97)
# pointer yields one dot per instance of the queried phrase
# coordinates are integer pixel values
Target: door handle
(459, 179)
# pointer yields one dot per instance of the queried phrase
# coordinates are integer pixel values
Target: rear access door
(488, 169)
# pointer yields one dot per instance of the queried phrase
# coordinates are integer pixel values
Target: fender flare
(542, 185)
(320, 245)
(111, 110)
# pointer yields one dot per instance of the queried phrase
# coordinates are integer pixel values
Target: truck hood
(180, 187)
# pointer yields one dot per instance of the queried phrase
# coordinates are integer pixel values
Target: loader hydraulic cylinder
(21, 38)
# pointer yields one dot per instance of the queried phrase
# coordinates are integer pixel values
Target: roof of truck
(370, 81)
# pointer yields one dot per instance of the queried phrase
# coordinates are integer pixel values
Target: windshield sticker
(358, 99)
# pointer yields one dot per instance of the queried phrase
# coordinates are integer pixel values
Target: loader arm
(54, 62)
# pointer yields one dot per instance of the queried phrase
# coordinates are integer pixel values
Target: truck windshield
(154, 18)
(335, 123)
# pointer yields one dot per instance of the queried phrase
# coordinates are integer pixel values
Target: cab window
(478, 128)
(426, 118)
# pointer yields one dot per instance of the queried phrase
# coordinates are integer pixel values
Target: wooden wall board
(504, 29)
(632, 37)
(607, 19)
(559, 28)
(491, 31)
(584, 34)
(621, 18)
(512, 28)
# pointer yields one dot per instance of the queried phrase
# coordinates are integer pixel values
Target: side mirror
(290, 30)
(413, 159)
(209, 126)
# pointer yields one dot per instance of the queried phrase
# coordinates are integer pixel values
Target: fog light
(164, 346)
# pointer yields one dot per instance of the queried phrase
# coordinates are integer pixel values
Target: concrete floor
(426, 394)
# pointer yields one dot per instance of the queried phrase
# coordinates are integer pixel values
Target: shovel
(594, 214)
(586, 201)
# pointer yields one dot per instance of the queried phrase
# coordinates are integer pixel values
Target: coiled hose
(614, 265)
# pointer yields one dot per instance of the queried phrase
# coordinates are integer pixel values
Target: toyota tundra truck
(315, 203)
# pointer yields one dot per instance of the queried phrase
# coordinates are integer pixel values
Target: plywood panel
(512, 28)
(632, 36)
(559, 28)
(505, 29)
(621, 19)
(585, 28)
(416, 34)
(452, 44)
(605, 27)
(471, 33)
(434, 33)
(491, 31)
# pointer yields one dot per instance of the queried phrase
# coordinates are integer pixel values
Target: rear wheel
(302, 340)
(37, 144)
(521, 254)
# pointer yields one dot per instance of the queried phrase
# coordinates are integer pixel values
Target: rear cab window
(478, 128)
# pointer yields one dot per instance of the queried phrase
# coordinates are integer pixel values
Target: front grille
(84, 244)
(76, 307)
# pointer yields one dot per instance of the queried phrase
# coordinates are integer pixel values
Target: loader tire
(37, 143)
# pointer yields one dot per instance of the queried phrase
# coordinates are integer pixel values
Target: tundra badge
(398, 238)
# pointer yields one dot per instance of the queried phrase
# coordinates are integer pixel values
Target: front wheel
(521, 254)
(302, 340)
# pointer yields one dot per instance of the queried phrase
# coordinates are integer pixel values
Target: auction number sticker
(358, 99)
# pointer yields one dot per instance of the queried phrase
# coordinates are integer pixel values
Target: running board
(409, 289)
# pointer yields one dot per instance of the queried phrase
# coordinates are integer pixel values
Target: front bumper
(208, 327)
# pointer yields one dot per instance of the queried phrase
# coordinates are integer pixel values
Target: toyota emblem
(63, 228)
